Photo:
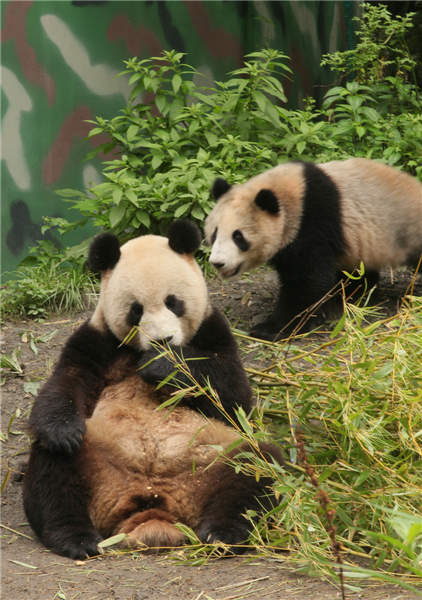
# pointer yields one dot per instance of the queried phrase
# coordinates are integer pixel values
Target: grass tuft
(38, 290)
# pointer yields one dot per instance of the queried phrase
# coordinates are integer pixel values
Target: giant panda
(314, 222)
(105, 460)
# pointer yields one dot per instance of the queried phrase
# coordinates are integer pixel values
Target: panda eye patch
(214, 236)
(240, 241)
(175, 305)
(135, 314)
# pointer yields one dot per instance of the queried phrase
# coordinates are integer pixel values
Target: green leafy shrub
(381, 59)
(174, 146)
(50, 278)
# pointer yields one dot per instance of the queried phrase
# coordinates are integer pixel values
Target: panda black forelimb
(217, 363)
(299, 289)
(58, 416)
(55, 502)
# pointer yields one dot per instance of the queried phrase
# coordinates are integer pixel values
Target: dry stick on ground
(324, 501)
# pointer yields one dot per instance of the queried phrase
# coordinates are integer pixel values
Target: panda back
(381, 213)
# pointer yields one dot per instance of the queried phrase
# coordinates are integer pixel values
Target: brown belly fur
(145, 467)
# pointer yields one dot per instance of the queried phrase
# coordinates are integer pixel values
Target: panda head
(251, 222)
(151, 283)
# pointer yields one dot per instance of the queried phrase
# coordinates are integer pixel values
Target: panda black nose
(218, 265)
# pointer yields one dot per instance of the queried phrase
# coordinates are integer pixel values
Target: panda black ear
(104, 252)
(267, 200)
(220, 187)
(184, 236)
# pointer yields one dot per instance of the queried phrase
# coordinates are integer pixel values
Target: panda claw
(66, 437)
(268, 336)
(79, 546)
(232, 536)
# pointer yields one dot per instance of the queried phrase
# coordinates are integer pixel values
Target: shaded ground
(31, 572)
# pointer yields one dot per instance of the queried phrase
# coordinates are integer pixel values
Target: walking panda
(105, 460)
(313, 222)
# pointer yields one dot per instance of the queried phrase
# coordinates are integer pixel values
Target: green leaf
(344, 517)
(272, 113)
(211, 138)
(335, 91)
(360, 131)
(95, 131)
(339, 326)
(208, 99)
(244, 423)
(370, 113)
(17, 562)
(182, 210)
(363, 477)
(69, 193)
(234, 444)
(10, 361)
(156, 162)
(111, 541)
(131, 132)
(326, 474)
(29, 261)
(175, 109)
(31, 387)
(354, 101)
(143, 218)
(197, 213)
(194, 126)
(260, 99)
(117, 195)
(132, 196)
(134, 78)
(300, 147)
(176, 83)
(116, 214)
(160, 101)
(174, 135)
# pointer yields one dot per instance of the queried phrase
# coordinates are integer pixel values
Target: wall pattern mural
(59, 65)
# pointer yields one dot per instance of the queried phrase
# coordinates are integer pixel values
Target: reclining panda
(105, 460)
(313, 222)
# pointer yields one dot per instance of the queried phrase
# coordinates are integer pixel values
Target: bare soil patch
(29, 571)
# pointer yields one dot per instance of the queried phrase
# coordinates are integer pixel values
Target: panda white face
(251, 222)
(229, 254)
(241, 233)
(155, 290)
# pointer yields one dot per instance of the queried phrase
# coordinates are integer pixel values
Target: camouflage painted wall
(59, 60)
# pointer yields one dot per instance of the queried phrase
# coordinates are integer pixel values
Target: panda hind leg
(55, 504)
(230, 496)
(153, 528)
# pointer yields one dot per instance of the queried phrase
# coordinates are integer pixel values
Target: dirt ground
(29, 571)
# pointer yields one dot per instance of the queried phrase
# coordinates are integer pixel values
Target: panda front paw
(154, 368)
(62, 436)
(76, 544)
(232, 534)
(269, 331)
